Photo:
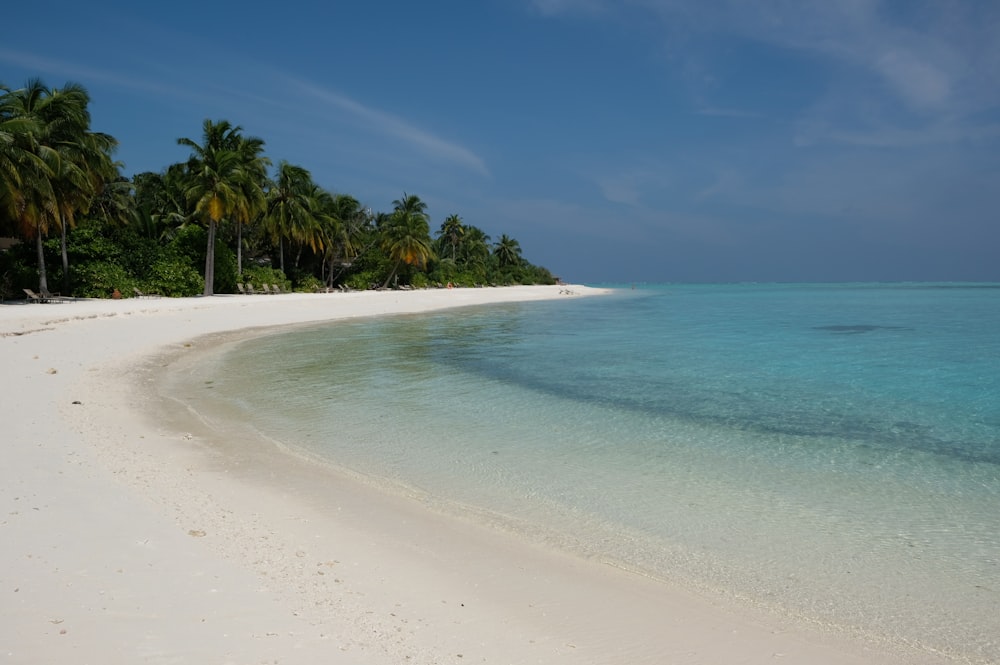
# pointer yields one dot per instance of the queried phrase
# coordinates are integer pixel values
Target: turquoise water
(830, 452)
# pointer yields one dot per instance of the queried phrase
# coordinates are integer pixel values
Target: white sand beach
(123, 541)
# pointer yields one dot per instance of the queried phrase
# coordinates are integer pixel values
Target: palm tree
(352, 228)
(56, 164)
(475, 250)
(253, 201)
(19, 159)
(216, 182)
(90, 155)
(345, 226)
(452, 230)
(290, 211)
(508, 251)
(116, 204)
(406, 236)
(159, 201)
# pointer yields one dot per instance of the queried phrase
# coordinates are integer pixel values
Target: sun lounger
(140, 294)
(34, 297)
(42, 297)
(52, 297)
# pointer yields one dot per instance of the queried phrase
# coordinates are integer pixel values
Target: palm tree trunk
(43, 282)
(281, 253)
(210, 260)
(65, 260)
(391, 275)
(239, 250)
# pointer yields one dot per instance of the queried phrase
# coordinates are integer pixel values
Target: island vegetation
(225, 218)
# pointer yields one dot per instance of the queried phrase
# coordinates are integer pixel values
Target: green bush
(189, 242)
(99, 279)
(310, 284)
(225, 269)
(173, 276)
(258, 275)
(16, 273)
(361, 281)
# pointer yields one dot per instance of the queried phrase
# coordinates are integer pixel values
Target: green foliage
(173, 276)
(226, 273)
(189, 242)
(258, 275)
(149, 232)
(16, 272)
(104, 257)
(99, 279)
(309, 284)
(539, 275)
(361, 281)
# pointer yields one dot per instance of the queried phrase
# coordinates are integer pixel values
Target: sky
(617, 140)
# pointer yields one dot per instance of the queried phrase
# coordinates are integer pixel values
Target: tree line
(224, 217)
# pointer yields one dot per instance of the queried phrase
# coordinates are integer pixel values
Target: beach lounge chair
(34, 297)
(265, 289)
(42, 297)
(140, 294)
(276, 289)
(249, 288)
(241, 288)
(52, 297)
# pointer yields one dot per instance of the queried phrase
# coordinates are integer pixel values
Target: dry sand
(123, 541)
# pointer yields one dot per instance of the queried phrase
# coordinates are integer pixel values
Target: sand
(123, 540)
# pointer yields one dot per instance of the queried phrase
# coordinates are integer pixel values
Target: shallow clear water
(827, 451)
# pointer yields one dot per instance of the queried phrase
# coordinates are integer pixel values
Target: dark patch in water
(857, 330)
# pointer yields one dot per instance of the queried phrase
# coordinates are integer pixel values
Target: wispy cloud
(620, 189)
(904, 63)
(83, 73)
(554, 7)
(717, 112)
(920, 83)
(635, 185)
(385, 123)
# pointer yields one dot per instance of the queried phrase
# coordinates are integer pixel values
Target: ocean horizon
(829, 452)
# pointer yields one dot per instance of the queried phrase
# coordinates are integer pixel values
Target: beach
(125, 540)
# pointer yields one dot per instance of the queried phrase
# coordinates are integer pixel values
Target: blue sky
(634, 140)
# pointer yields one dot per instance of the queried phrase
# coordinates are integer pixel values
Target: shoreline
(126, 542)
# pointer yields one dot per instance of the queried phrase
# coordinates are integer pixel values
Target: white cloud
(719, 112)
(555, 7)
(621, 189)
(919, 83)
(79, 72)
(391, 125)
(891, 67)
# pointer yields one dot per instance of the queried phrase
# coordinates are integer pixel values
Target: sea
(828, 452)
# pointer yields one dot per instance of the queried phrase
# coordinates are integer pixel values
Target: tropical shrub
(100, 279)
(173, 276)
(18, 272)
(309, 284)
(361, 281)
(258, 275)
